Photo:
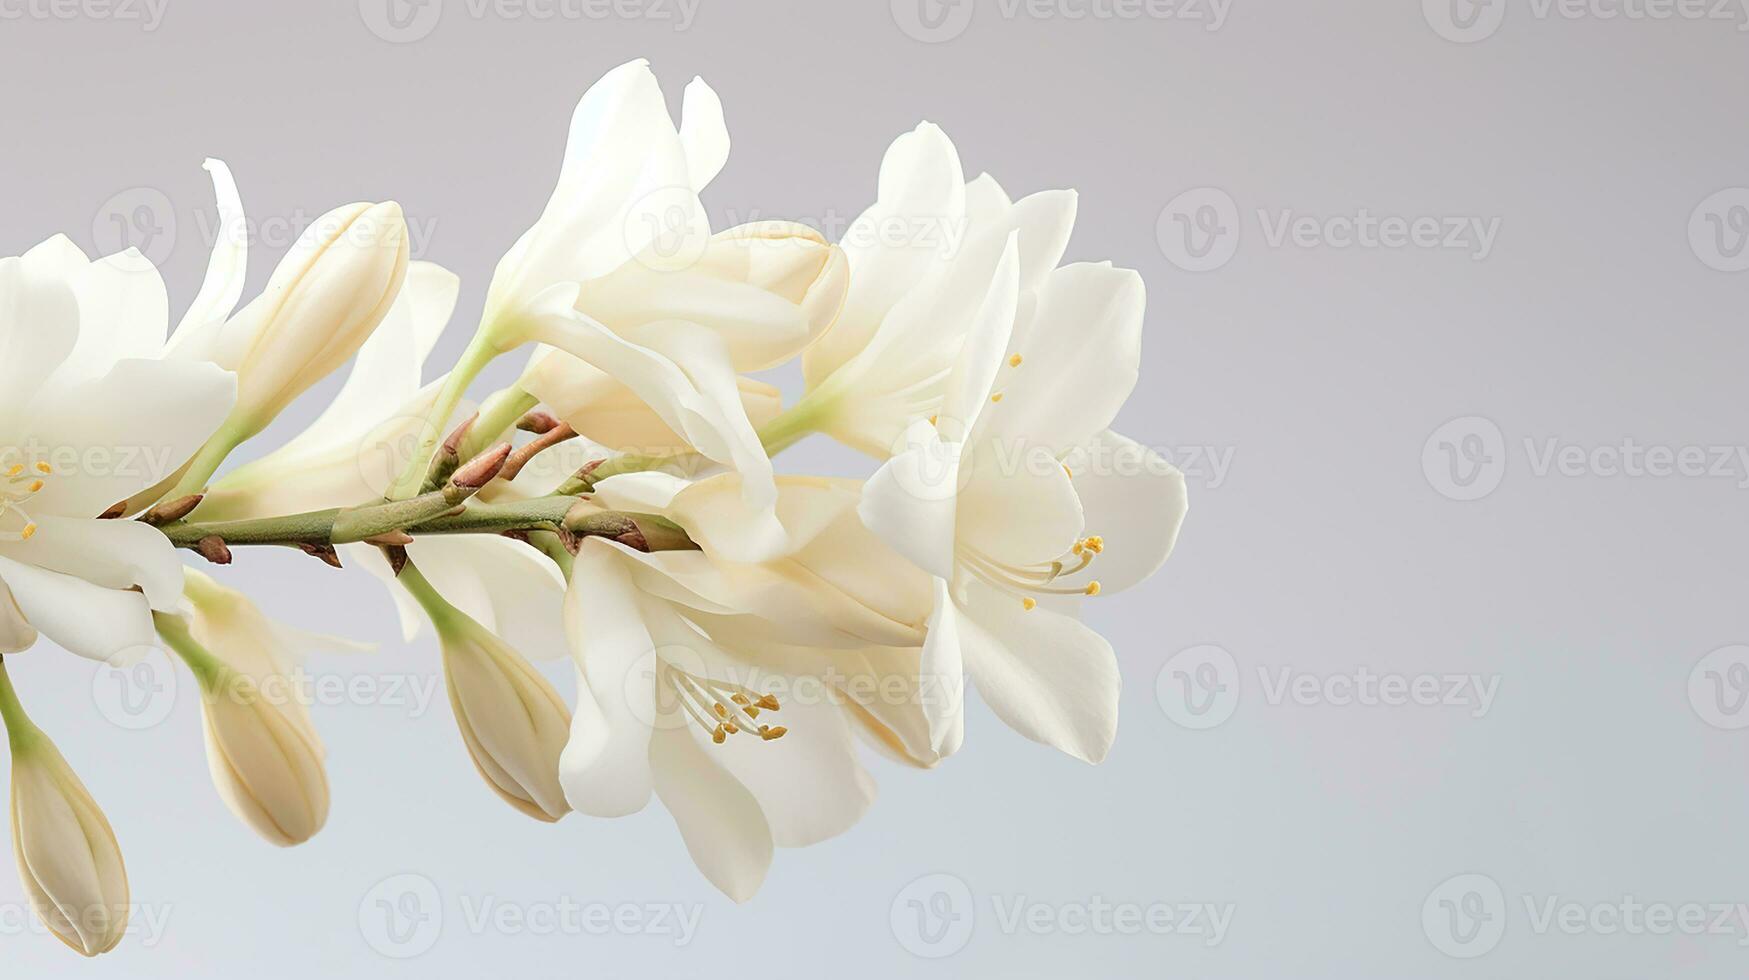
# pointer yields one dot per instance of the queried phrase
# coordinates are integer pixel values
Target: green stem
(21, 732)
(480, 352)
(207, 461)
(174, 631)
(497, 414)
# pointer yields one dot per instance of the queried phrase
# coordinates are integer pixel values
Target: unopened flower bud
(327, 295)
(264, 761)
(514, 724)
(67, 855)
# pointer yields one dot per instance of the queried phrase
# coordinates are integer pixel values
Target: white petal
(606, 766)
(39, 325)
(111, 554)
(123, 313)
(942, 669)
(1044, 674)
(911, 502)
(16, 633)
(724, 829)
(1018, 513)
(922, 195)
(974, 371)
(111, 437)
(703, 133)
(1081, 358)
(608, 413)
(1136, 501)
(197, 334)
(89, 620)
(809, 784)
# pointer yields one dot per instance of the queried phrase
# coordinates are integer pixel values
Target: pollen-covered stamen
(722, 708)
(22, 483)
(1028, 581)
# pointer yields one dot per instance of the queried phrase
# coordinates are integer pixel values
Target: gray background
(1333, 542)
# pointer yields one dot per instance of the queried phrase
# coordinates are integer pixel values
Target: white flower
(730, 690)
(91, 414)
(987, 499)
(622, 272)
(921, 260)
(67, 854)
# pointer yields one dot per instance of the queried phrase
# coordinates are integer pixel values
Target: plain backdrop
(1338, 397)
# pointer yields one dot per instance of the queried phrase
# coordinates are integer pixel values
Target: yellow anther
(932, 419)
(721, 711)
(1096, 544)
(27, 533)
(15, 469)
(768, 702)
(1080, 546)
(718, 735)
(1029, 603)
(35, 485)
(1014, 361)
(1093, 588)
(731, 727)
(44, 468)
(996, 397)
(772, 734)
(740, 699)
(1068, 472)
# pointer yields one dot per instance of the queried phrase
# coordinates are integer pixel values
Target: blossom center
(21, 482)
(1030, 581)
(721, 708)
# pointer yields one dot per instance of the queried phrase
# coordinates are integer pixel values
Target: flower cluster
(739, 634)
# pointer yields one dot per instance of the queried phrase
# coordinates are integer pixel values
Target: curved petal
(720, 820)
(123, 313)
(16, 633)
(703, 133)
(197, 334)
(1018, 512)
(1080, 359)
(1044, 674)
(85, 619)
(808, 783)
(912, 504)
(942, 668)
(1136, 501)
(110, 437)
(506, 586)
(110, 554)
(606, 765)
(607, 412)
(39, 325)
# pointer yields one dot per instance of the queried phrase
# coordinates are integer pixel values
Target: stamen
(28, 532)
(1014, 361)
(721, 708)
(996, 397)
(1029, 603)
(1093, 587)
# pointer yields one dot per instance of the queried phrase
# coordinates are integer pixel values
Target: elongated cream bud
(512, 721)
(324, 300)
(67, 854)
(264, 757)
